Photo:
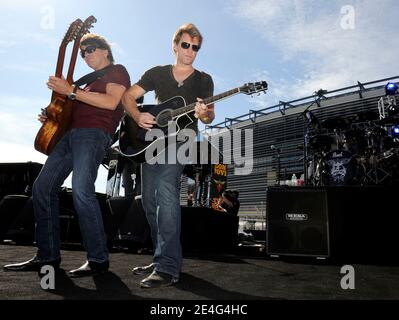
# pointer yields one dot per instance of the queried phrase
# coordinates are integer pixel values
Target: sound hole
(164, 117)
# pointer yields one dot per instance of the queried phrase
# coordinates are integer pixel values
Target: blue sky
(297, 46)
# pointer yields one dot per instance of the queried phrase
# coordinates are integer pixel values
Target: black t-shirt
(160, 79)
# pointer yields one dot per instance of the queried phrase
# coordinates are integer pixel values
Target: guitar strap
(93, 76)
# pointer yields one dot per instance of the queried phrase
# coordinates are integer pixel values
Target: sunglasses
(186, 45)
(89, 49)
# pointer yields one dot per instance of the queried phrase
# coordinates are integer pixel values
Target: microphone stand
(311, 120)
(278, 175)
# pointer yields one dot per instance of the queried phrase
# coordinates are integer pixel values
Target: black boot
(32, 265)
(90, 268)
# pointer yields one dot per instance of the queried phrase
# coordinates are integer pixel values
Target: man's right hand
(145, 120)
(42, 117)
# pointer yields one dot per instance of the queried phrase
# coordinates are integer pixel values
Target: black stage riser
(202, 229)
(18, 178)
(10, 207)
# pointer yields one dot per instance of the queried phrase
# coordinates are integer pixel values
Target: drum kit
(354, 151)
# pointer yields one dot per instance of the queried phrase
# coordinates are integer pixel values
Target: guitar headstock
(87, 25)
(252, 88)
(72, 32)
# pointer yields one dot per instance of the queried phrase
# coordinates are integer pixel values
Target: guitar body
(59, 118)
(134, 143)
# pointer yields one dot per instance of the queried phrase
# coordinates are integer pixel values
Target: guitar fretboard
(189, 108)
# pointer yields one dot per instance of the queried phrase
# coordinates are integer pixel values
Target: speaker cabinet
(297, 222)
(344, 222)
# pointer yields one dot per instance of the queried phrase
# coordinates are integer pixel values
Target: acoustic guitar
(134, 143)
(59, 112)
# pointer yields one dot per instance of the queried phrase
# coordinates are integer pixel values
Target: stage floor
(213, 277)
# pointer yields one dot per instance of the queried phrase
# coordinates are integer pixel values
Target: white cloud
(118, 49)
(14, 152)
(23, 4)
(18, 119)
(6, 44)
(28, 66)
(309, 34)
(41, 38)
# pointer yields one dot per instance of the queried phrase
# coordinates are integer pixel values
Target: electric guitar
(133, 143)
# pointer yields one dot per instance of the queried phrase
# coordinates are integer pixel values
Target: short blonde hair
(191, 30)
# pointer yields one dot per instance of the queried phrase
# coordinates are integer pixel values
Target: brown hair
(191, 30)
(99, 42)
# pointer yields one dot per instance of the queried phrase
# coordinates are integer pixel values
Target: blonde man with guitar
(161, 182)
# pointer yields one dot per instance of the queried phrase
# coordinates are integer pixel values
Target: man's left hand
(60, 85)
(202, 111)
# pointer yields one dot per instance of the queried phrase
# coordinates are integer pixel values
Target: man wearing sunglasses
(161, 182)
(96, 115)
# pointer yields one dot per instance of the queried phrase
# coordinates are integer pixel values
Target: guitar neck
(72, 63)
(189, 108)
(60, 61)
(60, 65)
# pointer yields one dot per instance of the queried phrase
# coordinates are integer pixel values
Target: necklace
(180, 83)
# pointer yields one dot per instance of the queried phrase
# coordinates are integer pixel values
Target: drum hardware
(356, 150)
(312, 124)
(376, 174)
(336, 123)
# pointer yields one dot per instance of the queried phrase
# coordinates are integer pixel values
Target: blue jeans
(80, 151)
(161, 202)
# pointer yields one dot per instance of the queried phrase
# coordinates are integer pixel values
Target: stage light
(392, 110)
(395, 131)
(391, 89)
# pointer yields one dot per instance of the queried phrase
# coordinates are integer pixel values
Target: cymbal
(390, 120)
(366, 116)
(321, 141)
(336, 123)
